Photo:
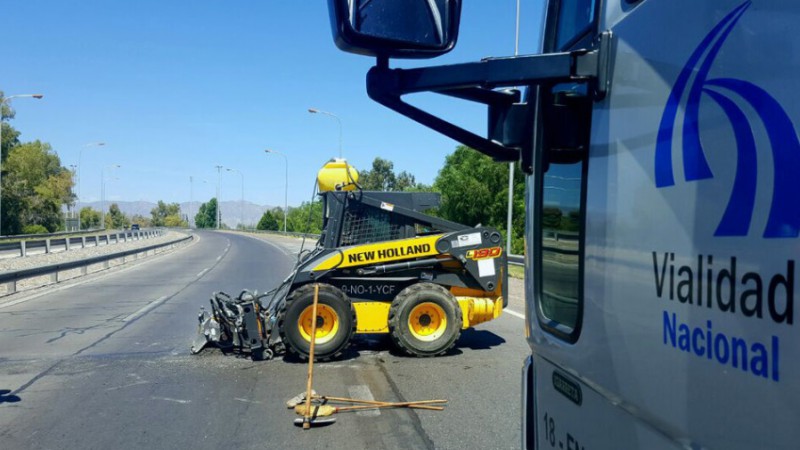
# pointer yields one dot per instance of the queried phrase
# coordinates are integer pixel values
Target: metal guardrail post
(11, 287)
(23, 252)
(47, 245)
(66, 244)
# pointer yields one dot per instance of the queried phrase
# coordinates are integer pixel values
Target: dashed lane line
(146, 308)
(514, 313)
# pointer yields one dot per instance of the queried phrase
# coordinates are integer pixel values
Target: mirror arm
(390, 99)
(476, 81)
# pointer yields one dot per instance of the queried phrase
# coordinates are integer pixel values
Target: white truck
(660, 143)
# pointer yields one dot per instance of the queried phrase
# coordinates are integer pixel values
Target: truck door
(682, 162)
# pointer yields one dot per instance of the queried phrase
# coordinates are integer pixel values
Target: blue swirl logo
(784, 214)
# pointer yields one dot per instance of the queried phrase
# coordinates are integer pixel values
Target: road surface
(104, 363)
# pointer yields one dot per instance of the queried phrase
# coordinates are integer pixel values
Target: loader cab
(365, 217)
(352, 216)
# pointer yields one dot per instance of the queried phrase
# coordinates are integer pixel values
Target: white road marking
(127, 385)
(202, 272)
(244, 400)
(514, 313)
(219, 257)
(146, 308)
(183, 402)
(362, 392)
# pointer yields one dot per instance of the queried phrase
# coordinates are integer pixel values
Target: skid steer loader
(383, 265)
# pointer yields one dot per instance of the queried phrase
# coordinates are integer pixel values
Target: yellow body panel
(388, 251)
(372, 317)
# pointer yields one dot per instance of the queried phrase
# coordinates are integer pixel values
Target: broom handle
(307, 418)
(387, 405)
(375, 402)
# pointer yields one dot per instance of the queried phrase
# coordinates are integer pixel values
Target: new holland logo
(690, 87)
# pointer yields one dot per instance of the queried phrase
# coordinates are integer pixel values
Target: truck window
(574, 20)
(561, 225)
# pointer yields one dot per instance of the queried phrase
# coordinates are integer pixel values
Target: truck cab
(660, 144)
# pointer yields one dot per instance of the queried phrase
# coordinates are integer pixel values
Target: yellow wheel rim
(427, 321)
(327, 324)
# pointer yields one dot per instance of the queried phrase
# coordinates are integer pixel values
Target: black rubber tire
(303, 298)
(402, 306)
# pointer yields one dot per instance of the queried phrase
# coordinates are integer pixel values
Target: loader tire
(424, 320)
(336, 322)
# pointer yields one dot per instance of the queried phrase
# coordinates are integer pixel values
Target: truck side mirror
(395, 28)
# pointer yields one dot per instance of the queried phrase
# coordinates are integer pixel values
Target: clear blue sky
(175, 88)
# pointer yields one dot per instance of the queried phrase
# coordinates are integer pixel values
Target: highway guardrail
(11, 278)
(50, 243)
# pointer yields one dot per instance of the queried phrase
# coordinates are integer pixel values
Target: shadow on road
(478, 340)
(7, 397)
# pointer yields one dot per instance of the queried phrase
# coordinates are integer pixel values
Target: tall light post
(241, 204)
(509, 225)
(80, 155)
(103, 194)
(219, 203)
(6, 101)
(317, 111)
(74, 169)
(285, 186)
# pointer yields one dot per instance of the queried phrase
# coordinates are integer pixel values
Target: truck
(659, 141)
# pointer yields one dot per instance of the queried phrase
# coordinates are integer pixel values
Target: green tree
(10, 135)
(89, 218)
(34, 188)
(307, 218)
(164, 210)
(269, 221)
(404, 181)
(116, 218)
(475, 190)
(175, 221)
(380, 178)
(34, 229)
(206, 216)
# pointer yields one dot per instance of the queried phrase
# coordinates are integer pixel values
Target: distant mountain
(232, 213)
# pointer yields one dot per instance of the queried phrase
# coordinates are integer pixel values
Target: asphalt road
(105, 364)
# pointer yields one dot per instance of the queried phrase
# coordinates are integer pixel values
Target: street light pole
(80, 155)
(241, 204)
(191, 199)
(509, 224)
(103, 194)
(74, 170)
(317, 111)
(285, 187)
(219, 203)
(6, 101)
